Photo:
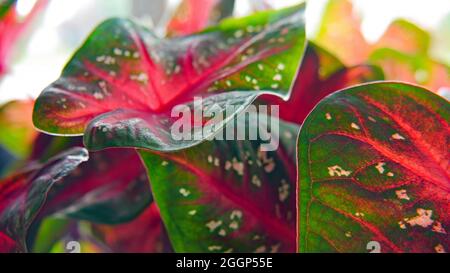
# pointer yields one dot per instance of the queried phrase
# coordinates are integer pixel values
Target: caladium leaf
(414, 69)
(320, 75)
(12, 26)
(228, 196)
(129, 80)
(374, 171)
(194, 15)
(23, 195)
(145, 234)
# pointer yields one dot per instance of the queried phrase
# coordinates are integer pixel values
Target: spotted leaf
(124, 81)
(23, 195)
(374, 170)
(228, 196)
(320, 75)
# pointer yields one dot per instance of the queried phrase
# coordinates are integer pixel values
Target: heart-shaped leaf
(129, 80)
(373, 170)
(228, 195)
(23, 195)
(194, 15)
(320, 75)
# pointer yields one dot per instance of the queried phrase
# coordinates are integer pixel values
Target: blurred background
(42, 54)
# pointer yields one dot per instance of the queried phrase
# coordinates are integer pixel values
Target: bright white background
(66, 24)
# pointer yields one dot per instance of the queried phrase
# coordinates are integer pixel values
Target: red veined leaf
(129, 80)
(23, 195)
(414, 69)
(17, 130)
(194, 15)
(320, 75)
(374, 170)
(12, 26)
(226, 195)
(145, 234)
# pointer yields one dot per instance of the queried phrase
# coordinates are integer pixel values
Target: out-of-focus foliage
(403, 50)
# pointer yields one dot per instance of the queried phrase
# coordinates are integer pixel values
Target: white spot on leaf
(338, 170)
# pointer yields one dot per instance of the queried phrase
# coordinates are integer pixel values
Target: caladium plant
(354, 167)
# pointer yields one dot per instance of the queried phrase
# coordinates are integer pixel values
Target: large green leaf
(227, 195)
(123, 82)
(374, 166)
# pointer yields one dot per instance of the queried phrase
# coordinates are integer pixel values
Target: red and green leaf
(23, 195)
(374, 166)
(228, 196)
(128, 80)
(320, 75)
(194, 15)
